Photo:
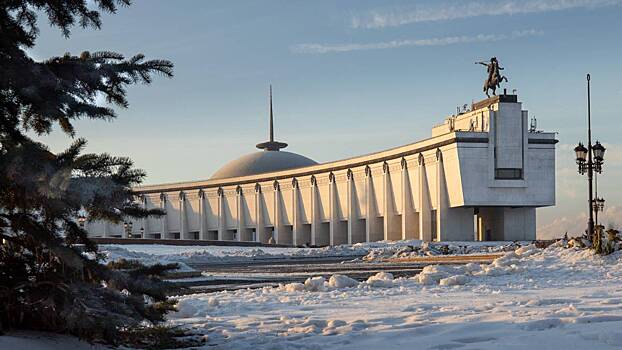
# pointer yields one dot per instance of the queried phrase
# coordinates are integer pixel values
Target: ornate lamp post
(128, 228)
(590, 161)
(599, 205)
(599, 153)
(81, 220)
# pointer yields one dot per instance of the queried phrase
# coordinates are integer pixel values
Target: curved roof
(262, 162)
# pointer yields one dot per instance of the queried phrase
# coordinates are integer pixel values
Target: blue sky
(353, 77)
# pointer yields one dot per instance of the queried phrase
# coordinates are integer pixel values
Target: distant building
(480, 176)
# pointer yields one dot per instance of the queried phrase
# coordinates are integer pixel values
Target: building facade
(480, 176)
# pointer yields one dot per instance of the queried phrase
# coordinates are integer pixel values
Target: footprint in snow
(446, 346)
(472, 340)
(541, 325)
(546, 302)
(598, 319)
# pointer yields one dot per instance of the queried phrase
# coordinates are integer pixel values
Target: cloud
(393, 44)
(575, 225)
(447, 12)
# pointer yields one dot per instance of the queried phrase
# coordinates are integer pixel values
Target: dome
(262, 162)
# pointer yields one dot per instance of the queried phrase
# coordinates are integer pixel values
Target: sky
(353, 77)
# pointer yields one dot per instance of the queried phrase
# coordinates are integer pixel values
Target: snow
(115, 252)
(45, 341)
(203, 255)
(315, 284)
(455, 280)
(341, 281)
(528, 298)
(381, 279)
(412, 249)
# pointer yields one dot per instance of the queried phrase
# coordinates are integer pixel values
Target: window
(508, 174)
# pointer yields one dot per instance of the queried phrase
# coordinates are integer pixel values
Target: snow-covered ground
(184, 255)
(529, 299)
(204, 255)
(21, 340)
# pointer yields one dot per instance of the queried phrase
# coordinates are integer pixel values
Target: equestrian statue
(494, 76)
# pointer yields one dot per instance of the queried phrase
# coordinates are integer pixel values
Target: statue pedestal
(494, 99)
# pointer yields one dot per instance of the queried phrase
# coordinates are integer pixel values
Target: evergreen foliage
(51, 276)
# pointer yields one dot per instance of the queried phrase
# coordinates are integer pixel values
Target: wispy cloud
(468, 9)
(394, 44)
(575, 225)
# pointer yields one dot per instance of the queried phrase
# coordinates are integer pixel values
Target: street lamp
(128, 228)
(81, 221)
(581, 153)
(599, 204)
(590, 160)
(599, 154)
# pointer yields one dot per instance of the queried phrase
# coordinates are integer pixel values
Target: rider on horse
(494, 76)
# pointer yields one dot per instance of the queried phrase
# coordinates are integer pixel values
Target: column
(408, 213)
(260, 228)
(124, 233)
(441, 197)
(203, 227)
(87, 227)
(481, 226)
(221, 214)
(356, 233)
(370, 209)
(164, 218)
(239, 213)
(244, 233)
(297, 224)
(425, 229)
(390, 232)
(315, 220)
(145, 221)
(337, 233)
(385, 200)
(183, 218)
(106, 229)
(277, 213)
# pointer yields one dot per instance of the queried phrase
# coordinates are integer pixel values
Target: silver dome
(262, 162)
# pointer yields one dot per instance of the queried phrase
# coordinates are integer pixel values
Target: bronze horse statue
(494, 76)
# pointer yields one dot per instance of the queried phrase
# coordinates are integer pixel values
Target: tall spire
(271, 145)
(271, 117)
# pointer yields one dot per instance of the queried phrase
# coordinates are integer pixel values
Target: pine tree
(51, 275)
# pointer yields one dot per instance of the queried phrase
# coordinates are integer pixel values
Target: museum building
(480, 176)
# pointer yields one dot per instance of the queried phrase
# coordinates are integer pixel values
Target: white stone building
(480, 176)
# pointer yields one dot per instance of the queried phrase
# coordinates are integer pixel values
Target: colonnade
(389, 200)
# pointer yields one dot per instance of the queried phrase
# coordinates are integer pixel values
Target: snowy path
(241, 276)
(198, 257)
(233, 276)
(553, 299)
